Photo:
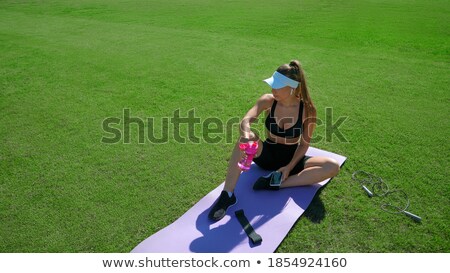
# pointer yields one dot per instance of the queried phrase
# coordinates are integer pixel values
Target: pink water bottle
(250, 149)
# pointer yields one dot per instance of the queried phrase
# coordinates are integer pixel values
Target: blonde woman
(290, 124)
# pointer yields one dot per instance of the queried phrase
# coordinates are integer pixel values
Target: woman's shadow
(260, 208)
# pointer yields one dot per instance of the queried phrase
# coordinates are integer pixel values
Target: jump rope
(393, 201)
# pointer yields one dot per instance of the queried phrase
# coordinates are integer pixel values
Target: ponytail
(295, 71)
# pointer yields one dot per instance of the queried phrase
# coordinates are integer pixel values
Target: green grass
(67, 66)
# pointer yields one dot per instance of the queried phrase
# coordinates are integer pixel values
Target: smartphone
(275, 179)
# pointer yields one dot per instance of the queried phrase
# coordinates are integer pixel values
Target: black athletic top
(293, 132)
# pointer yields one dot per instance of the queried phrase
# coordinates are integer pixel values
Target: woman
(290, 124)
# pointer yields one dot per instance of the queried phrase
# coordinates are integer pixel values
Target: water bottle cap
(243, 146)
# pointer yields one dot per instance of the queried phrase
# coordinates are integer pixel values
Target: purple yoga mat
(271, 213)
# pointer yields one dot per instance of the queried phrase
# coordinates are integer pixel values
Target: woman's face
(282, 93)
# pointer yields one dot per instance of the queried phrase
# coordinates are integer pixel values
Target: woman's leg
(227, 197)
(316, 170)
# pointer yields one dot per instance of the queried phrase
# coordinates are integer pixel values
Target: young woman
(290, 124)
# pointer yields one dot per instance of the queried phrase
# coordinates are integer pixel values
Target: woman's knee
(332, 167)
(328, 165)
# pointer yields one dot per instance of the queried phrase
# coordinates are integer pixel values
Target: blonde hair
(294, 71)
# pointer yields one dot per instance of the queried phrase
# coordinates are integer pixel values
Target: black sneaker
(219, 210)
(263, 183)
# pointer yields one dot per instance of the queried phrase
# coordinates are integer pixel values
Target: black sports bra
(292, 132)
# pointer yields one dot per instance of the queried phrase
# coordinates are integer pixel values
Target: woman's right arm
(263, 103)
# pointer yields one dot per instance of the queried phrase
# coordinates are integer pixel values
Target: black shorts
(275, 155)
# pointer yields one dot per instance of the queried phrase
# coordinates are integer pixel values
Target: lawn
(66, 66)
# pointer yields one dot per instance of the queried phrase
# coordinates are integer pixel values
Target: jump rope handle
(413, 216)
(369, 193)
(250, 149)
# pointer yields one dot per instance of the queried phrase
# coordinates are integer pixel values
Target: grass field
(68, 65)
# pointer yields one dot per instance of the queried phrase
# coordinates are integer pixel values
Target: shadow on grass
(316, 210)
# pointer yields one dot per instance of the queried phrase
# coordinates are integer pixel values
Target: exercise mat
(271, 213)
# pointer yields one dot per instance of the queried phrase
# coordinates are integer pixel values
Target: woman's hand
(284, 172)
(250, 136)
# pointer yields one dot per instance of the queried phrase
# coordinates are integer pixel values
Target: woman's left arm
(303, 145)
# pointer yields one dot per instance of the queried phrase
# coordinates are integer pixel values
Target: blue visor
(279, 80)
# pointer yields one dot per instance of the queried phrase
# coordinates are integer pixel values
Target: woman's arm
(263, 103)
(308, 130)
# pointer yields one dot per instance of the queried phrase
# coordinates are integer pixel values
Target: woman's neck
(290, 101)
